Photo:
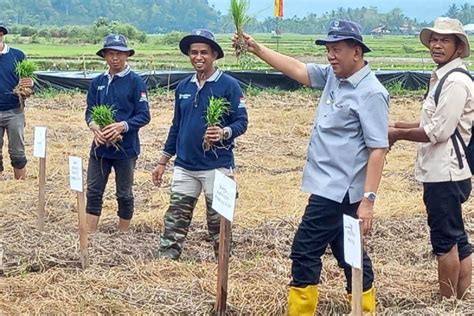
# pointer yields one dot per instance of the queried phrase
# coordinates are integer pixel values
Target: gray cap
(200, 36)
(340, 30)
(115, 42)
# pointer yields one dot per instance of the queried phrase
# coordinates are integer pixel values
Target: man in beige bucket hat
(442, 164)
(451, 27)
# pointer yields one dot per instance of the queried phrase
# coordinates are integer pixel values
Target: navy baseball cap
(115, 42)
(340, 30)
(3, 28)
(200, 36)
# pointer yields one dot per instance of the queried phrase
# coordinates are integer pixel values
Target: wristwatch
(226, 133)
(371, 196)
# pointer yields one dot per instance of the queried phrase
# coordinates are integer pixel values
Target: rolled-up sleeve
(318, 75)
(447, 113)
(373, 115)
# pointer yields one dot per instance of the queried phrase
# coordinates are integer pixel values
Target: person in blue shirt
(126, 92)
(344, 161)
(195, 165)
(12, 115)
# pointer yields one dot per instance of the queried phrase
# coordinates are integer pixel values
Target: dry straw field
(40, 272)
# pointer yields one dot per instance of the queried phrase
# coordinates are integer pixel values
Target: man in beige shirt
(445, 174)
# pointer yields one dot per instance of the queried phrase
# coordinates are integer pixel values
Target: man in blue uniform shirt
(345, 158)
(126, 92)
(12, 116)
(194, 165)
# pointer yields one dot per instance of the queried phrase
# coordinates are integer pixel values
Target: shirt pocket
(338, 117)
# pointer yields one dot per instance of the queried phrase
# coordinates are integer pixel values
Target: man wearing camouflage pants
(196, 163)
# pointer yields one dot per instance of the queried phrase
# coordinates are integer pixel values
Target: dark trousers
(98, 173)
(443, 202)
(322, 225)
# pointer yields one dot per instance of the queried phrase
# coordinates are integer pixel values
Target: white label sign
(352, 242)
(39, 149)
(75, 173)
(224, 193)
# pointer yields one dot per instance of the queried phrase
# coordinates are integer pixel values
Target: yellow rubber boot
(368, 300)
(302, 301)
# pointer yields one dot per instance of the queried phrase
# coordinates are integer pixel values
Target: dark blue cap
(115, 42)
(340, 30)
(200, 36)
(3, 28)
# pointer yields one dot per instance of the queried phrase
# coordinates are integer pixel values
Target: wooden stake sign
(223, 202)
(39, 150)
(353, 248)
(223, 266)
(77, 184)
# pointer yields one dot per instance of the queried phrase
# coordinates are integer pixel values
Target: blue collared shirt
(126, 92)
(352, 117)
(189, 125)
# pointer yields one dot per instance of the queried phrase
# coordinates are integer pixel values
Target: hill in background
(152, 16)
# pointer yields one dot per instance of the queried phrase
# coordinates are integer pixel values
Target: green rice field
(390, 52)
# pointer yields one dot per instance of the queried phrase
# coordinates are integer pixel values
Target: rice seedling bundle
(216, 110)
(103, 115)
(239, 11)
(25, 69)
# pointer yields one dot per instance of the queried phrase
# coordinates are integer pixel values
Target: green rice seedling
(216, 110)
(103, 115)
(25, 69)
(239, 11)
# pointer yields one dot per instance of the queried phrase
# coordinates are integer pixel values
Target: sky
(422, 10)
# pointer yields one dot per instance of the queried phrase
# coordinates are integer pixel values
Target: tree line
(151, 16)
(75, 34)
(164, 16)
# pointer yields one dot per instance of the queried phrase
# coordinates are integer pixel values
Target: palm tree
(465, 13)
(395, 19)
(453, 11)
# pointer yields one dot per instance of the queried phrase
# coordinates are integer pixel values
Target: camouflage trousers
(177, 220)
(186, 188)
